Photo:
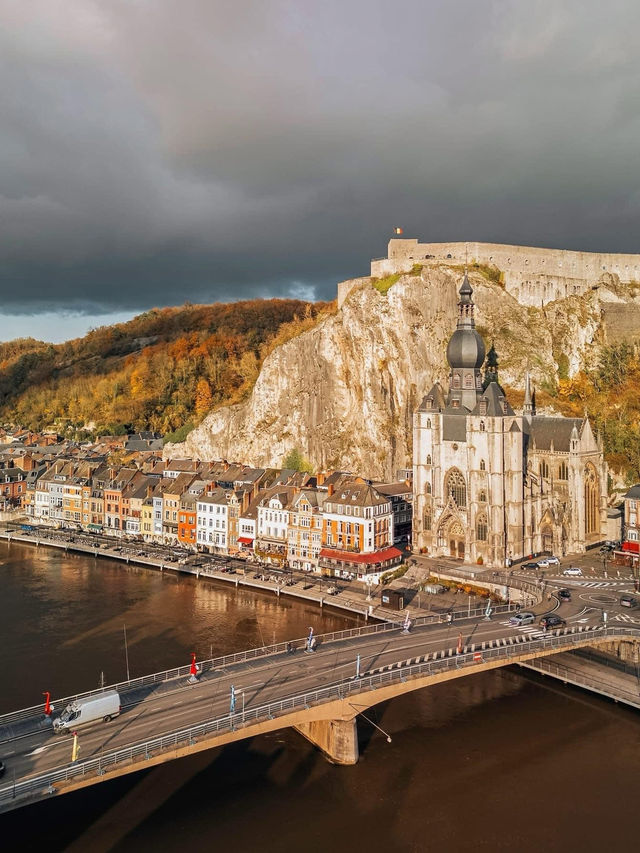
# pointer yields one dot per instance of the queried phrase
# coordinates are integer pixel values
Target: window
(482, 496)
(428, 459)
(544, 469)
(428, 423)
(481, 528)
(456, 380)
(481, 426)
(483, 466)
(456, 487)
(428, 519)
(563, 471)
(468, 380)
(428, 488)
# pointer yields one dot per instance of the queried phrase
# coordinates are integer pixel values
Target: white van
(103, 706)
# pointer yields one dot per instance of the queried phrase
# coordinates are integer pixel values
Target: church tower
(465, 354)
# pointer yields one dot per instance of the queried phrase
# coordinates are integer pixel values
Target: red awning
(244, 540)
(631, 546)
(353, 557)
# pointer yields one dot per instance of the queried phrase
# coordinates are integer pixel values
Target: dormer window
(429, 402)
(483, 411)
(456, 380)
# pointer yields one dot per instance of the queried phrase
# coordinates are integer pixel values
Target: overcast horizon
(153, 153)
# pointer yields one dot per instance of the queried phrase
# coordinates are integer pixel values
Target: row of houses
(334, 523)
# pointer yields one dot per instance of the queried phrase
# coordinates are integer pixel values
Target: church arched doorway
(547, 538)
(455, 539)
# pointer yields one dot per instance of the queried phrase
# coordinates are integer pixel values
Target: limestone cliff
(345, 391)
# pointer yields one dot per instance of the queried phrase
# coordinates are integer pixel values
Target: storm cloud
(153, 152)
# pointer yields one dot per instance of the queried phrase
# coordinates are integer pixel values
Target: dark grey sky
(153, 151)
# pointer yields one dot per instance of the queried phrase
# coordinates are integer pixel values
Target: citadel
(492, 486)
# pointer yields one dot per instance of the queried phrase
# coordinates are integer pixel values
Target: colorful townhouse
(358, 534)
(304, 533)
(273, 524)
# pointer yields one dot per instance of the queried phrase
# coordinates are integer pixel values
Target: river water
(497, 761)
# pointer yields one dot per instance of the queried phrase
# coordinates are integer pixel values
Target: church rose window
(456, 487)
(481, 528)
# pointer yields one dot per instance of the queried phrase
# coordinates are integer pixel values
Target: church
(492, 486)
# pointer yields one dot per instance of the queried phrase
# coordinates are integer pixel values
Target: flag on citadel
(398, 230)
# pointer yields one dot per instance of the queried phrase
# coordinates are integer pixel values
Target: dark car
(628, 601)
(552, 621)
(1, 768)
(529, 565)
(564, 595)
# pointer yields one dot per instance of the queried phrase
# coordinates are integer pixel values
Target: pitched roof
(434, 400)
(634, 492)
(545, 431)
(496, 401)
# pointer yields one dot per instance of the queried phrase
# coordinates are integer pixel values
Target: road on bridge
(170, 706)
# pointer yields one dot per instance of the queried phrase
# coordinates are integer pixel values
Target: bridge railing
(255, 654)
(561, 639)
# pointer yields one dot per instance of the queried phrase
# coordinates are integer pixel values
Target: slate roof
(544, 431)
(495, 399)
(633, 493)
(437, 393)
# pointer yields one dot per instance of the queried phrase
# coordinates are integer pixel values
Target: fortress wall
(533, 275)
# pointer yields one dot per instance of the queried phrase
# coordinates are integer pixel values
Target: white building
(492, 486)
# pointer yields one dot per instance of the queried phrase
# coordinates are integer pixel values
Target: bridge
(320, 693)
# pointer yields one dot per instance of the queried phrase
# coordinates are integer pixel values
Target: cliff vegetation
(162, 371)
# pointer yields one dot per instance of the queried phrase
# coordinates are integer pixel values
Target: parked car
(628, 601)
(564, 595)
(552, 621)
(553, 561)
(522, 618)
(573, 571)
(530, 565)
(543, 563)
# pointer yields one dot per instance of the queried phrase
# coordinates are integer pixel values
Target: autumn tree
(204, 397)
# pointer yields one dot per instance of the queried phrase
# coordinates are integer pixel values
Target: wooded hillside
(160, 371)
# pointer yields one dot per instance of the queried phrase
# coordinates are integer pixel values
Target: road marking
(39, 749)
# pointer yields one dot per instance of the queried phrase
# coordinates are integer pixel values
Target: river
(498, 761)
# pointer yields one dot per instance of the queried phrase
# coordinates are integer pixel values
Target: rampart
(534, 276)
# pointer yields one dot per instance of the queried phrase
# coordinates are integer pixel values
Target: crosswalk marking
(622, 617)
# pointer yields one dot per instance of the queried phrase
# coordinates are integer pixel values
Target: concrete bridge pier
(337, 739)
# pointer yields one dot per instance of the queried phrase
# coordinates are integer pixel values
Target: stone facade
(490, 485)
(534, 276)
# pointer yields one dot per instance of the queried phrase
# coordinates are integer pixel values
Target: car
(628, 601)
(522, 618)
(552, 621)
(564, 595)
(572, 571)
(553, 561)
(543, 564)
(2, 768)
(529, 565)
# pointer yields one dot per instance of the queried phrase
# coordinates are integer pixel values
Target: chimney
(330, 489)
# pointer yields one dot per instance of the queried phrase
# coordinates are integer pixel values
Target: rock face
(344, 393)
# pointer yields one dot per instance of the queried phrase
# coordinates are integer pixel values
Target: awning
(354, 557)
(634, 547)
(244, 540)
(94, 526)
